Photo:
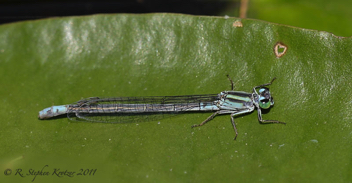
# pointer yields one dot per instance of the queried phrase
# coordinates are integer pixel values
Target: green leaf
(59, 61)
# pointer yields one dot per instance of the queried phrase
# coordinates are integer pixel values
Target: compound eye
(264, 103)
(265, 92)
(262, 90)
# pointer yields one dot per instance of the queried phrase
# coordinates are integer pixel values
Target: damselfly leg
(261, 120)
(207, 120)
(266, 84)
(230, 81)
(233, 120)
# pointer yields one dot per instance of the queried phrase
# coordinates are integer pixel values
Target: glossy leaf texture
(62, 60)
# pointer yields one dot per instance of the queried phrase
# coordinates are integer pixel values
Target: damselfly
(114, 110)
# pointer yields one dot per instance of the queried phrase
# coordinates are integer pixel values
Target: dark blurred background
(326, 15)
(18, 10)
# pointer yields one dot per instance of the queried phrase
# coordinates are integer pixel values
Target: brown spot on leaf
(237, 23)
(280, 49)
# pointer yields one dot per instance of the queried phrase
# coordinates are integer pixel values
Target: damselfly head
(265, 99)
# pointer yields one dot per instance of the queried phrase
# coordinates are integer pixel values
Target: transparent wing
(136, 109)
